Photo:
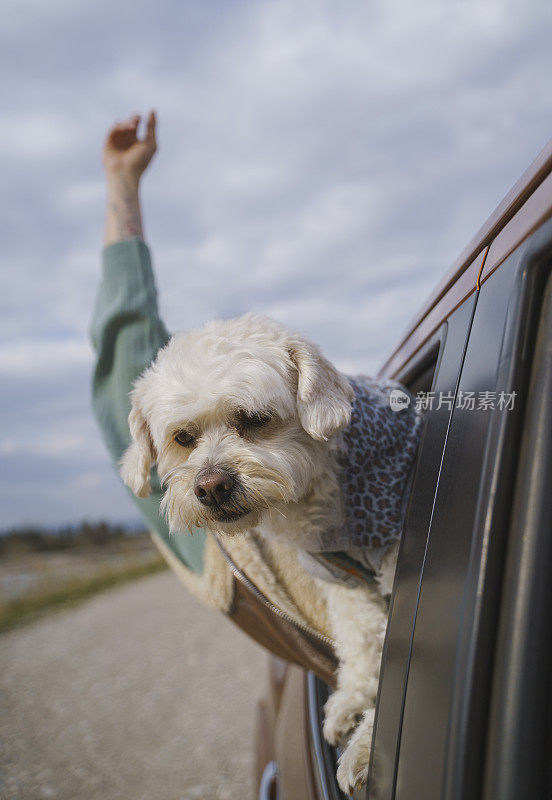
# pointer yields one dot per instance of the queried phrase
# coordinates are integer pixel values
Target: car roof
(526, 206)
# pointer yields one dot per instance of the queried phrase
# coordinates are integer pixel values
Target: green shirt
(126, 333)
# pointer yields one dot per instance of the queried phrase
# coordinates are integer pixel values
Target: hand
(124, 154)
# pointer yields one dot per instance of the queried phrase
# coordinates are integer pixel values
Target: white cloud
(22, 17)
(51, 445)
(43, 358)
(322, 163)
(34, 136)
(91, 479)
(76, 197)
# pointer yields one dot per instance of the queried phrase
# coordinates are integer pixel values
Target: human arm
(125, 158)
(126, 329)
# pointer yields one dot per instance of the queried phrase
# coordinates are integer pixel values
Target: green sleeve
(126, 333)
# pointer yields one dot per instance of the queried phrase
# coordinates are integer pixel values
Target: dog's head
(235, 415)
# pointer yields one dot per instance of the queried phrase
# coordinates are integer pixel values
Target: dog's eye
(184, 438)
(246, 421)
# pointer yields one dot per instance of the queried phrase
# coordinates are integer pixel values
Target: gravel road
(139, 693)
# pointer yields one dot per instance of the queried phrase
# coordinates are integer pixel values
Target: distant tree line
(85, 534)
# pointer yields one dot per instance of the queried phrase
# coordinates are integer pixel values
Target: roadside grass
(59, 595)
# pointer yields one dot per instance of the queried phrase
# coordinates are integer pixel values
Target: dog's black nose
(214, 487)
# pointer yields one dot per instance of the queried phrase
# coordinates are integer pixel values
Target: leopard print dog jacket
(376, 463)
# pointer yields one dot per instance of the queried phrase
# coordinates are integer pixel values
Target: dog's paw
(351, 774)
(341, 714)
(354, 762)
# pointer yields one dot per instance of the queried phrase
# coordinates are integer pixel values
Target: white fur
(287, 473)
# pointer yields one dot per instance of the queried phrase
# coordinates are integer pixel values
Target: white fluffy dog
(243, 419)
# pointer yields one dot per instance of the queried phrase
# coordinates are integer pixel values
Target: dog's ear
(137, 461)
(324, 395)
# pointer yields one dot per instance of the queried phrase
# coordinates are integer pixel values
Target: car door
(439, 669)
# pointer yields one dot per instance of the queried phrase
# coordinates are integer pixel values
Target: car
(464, 702)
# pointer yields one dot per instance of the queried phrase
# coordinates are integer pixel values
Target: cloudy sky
(320, 162)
